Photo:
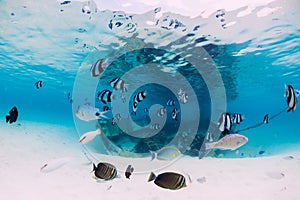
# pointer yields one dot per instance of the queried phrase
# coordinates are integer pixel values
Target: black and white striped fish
(291, 98)
(38, 84)
(134, 107)
(174, 114)
(140, 96)
(237, 118)
(129, 171)
(266, 119)
(171, 102)
(105, 171)
(105, 96)
(118, 84)
(225, 123)
(98, 67)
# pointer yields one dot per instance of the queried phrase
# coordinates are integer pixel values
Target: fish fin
(94, 168)
(151, 177)
(102, 115)
(7, 118)
(209, 145)
(226, 132)
(289, 110)
(153, 155)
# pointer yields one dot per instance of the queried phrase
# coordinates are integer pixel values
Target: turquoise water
(253, 55)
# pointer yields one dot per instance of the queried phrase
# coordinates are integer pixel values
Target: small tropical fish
(171, 102)
(105, 171)
(134, 107)
(98, 67)
(69, 97)
(13, 115)
(266, 119)
(140, 96)
(165, 153)
(228, 142)
(105, 96)
(210, 137)
(291, 98)
(168, 180)
(87, 112)
(119, 84)
(88, 136)
(128, 171)
(155, 127)
(38, 84)
(183, 97)
(55, 164)
(237, 118)
(174, 114)
(225, 123)
(161, 112)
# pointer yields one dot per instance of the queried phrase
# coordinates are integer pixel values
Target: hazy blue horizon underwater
(255, 62)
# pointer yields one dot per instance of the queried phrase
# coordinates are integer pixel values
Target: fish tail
(94, 167)
(209, 145)
(7, 118)
(153, 155)
(151, 177)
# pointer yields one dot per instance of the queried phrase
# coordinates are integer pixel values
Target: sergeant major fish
(228, 142)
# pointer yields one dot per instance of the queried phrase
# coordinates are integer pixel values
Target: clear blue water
(255, 57)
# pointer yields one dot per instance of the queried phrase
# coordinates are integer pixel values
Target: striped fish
(171, 102)
(118, 84)
(105, 96)
(168, 180)
(98, 67)
(140, 96)
(291, 98)
(266, 119)
(237, 118)
(105, 171)
(129, 171)
(134, 107)
(225, 123)
(38, 84)
(174, 114)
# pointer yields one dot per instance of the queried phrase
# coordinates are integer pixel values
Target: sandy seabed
(27, 146)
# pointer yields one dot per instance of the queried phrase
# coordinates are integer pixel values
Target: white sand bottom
(25, 148)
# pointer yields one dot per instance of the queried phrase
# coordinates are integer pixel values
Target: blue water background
(254, 81)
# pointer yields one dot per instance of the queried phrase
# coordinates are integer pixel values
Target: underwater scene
(153, 100)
